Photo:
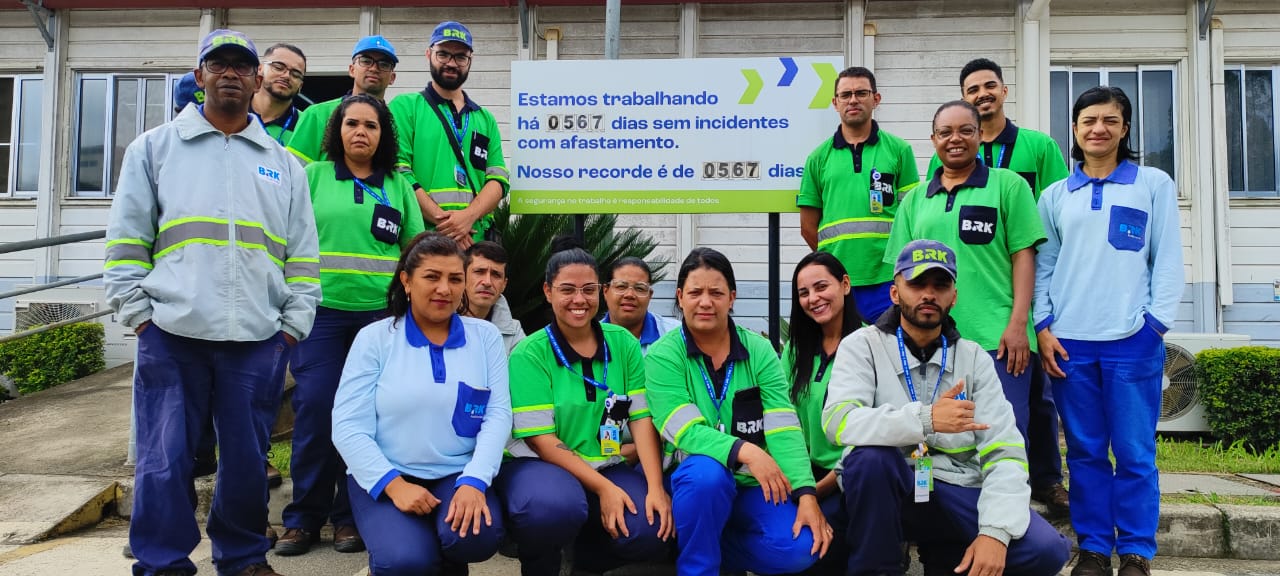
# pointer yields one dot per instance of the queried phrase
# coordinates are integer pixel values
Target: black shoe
(347, 540)
(1055, 497)
(272, 537)
(261, 569)
(274, 479)
(1092, 564)
(295, 542)
(1134, 565)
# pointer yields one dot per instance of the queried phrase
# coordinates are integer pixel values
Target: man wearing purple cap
(934, 454)
(212, 259)
(372, 68)
(450, 147)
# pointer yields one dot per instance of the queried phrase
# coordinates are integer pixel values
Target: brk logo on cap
(921, 256)
(223, 38)
(451, 31)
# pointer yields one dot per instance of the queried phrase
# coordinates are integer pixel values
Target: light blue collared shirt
(654, 327)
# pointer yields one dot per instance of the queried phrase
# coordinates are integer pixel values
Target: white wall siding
(82, 258)
(133, 40)
(21, 46)
(325, 35)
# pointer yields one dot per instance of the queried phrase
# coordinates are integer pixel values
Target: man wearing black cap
(372, 70)
(450, 147)
(212, 258)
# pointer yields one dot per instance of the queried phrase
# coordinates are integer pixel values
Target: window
(1253, 149)
(112, 110)
(20, 102)
(1150, 90)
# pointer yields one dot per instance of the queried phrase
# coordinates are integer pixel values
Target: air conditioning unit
(65, 303)
(1180, 409)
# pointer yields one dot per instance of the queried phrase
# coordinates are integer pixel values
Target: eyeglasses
(444, 56)
(568, 290)
(367, 62)
(241, 67)
(967, 131)
(859, 94)
(281, 67)
(641, 288)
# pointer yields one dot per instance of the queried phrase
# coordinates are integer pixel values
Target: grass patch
(1213, 499)
(279, 456)
(1201, 456)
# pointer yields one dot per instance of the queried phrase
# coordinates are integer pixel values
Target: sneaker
(296, 541)
(1134, 565)
(1054, 496)
(1092, 564)
(261, 569)
(274, 479)
(346, 539)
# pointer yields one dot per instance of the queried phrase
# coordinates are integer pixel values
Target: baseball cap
(920, 256)
(375, 44)
(186, 91)
(223, 38)
(451, 31)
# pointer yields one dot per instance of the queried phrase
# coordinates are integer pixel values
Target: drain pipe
(1032, 67)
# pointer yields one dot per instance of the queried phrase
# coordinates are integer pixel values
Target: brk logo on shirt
(977, 224)
(272, 176)
(474, 410)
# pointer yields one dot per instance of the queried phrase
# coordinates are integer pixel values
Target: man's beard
(437, 77)
(277, 94)
(910, 315)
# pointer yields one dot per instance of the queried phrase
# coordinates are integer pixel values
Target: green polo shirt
(822, 453)
(282, 129)
(1033, 155)
(690, 422)
(355, 267)
(547, 398)
(985, 219)
(845, 182)
(428, 159)
(307, 142)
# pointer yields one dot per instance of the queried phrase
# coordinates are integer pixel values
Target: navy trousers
(403, 544)
(872, 300)
(1017, 389)
(1110, 402)
(723, 526)
(1044, 458)
(833, 564)
(878, 488)
(318, 472)
(178, 382)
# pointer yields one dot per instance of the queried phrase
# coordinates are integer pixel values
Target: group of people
(347, 243)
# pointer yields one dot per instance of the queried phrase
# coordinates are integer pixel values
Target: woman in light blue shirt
(421, 417)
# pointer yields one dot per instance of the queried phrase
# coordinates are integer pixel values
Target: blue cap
(223, 38)
(920, 256)
(375, 44)
(451, 32)
(186, 91)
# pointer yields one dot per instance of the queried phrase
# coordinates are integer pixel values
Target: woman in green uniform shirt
(823, 312)
(576, 385)
(743, 494)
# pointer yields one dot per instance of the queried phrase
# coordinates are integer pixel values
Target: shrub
(50, 358)
(1240, 388)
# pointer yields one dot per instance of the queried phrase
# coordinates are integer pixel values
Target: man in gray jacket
(212, 258)
(486, 268)
(935, 456)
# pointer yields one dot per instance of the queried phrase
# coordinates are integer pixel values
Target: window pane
(1235, 133)
(1128, 81)
(155, 103)
(1157, 117)
(1260, 129)
(1081, 81)
(6, 107)
(1060, 112)
(93, 132)
(29, 136)
(126, 123)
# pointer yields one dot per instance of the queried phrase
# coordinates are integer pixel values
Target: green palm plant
(527, 239)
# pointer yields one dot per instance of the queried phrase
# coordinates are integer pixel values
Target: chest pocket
(748, 416)
(1127, 229)
(469, 410)
(977, 224)
(1030, 177)
(617, 410)
(884, 184)
(480, 152)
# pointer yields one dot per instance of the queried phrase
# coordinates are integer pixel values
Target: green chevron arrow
(827, 72)
(754, 84)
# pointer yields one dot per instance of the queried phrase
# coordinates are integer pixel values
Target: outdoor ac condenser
(1181, 410)
(65, 303)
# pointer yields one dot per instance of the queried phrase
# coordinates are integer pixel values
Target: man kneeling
(935, 457)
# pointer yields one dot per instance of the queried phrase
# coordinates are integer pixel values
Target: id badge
(460, 176)
(877, 199)
(924, 478)
(610, 440)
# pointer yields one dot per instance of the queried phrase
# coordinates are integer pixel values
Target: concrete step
(34, 507)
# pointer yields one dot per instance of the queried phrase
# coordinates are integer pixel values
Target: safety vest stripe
(533, 422)
(996, 453)
(497, 172)
(837, 417)
(1021, 463)
(855, 227)
(301, 269)
(680, 421)
(639, 403)
(251, 235)
(780, 419)
(451, 197)
(352, 263)
(118, 254)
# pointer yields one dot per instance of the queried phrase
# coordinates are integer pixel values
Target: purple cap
(223, 38)
(451, 31)
(920, 256)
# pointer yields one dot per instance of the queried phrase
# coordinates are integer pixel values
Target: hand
(809, 514)
(1050, 349)
(411, 498)
(658, 503)
(951, 415)
(457, 224)
(826, 485)
(985, 557)
(289, 339)
(141, 328)
(772, 481)
(614, 504)
(466, 509)
(1014, 343)
(630, 454)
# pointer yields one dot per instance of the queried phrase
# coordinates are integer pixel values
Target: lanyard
(711, 391)
(555, 346)
(280, 138)
(906, 371)
(999, 159)
(466, 127)
(381, 198)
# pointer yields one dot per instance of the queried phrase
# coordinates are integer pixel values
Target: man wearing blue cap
(373, 69)
(185, 91)
(934, 454)
(212, 259)
(450, 148)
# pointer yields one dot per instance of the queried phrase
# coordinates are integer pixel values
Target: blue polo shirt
(654, 327)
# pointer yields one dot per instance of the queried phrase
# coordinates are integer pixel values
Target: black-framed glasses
(849, 95)
(241, 67)
(459, 58)
(281, 67)
(641, 288)
(367, 62)
(568, 290)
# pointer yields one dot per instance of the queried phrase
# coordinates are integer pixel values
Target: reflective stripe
(451, 197)
(497, 172)
(780, 420)
(854, 228)
(1002, 451)
(302, 270)
(639, 402)
(178, 233)
(346, 263)
(128, 251)
(533, 420)
(679, 421)
(1021, 463)
(837, 417)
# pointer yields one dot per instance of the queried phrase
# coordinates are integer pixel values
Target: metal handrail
(11, 247)
(59, 324)
(51, 241)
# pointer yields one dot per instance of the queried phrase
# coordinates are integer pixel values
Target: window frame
(1242, 68)
(109, 122)
(1104, 70)
(15, 134)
